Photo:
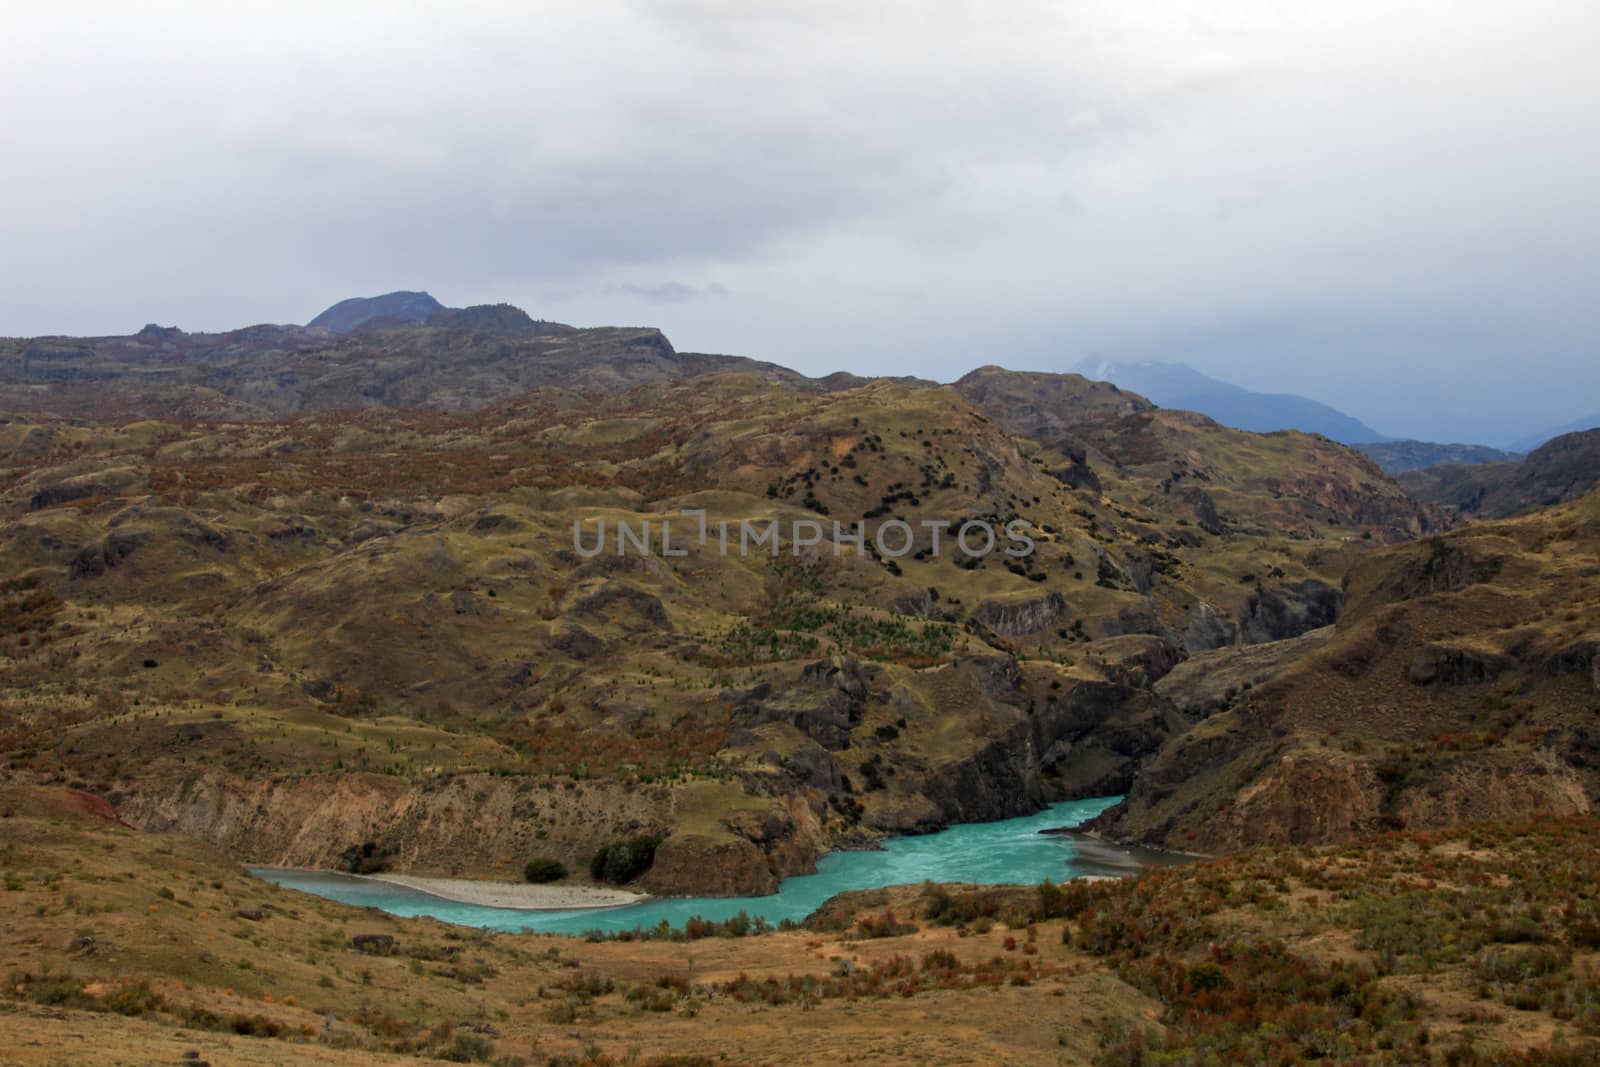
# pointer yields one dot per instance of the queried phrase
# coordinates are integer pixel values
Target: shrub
(882, 925)
(1063, 901)
(543, 869)
(134, 998)
(1584, 934)
(625, 859)
(365, 858)
(1518, 965)
(469, 1048)
(1203, 977)
(255, 1026)
(952, 909)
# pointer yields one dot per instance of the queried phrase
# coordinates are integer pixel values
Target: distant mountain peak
(402, 306)
(1178, 385)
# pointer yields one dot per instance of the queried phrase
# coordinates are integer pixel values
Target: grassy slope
(1416, 948)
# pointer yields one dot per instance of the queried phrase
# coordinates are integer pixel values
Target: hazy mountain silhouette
(1533, 441)
(1178, 385)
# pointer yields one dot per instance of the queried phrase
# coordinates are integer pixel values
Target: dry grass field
(1477, 945)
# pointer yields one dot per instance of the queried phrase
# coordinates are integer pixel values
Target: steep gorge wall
(467, 824)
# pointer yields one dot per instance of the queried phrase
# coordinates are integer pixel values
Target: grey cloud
(1300, 197)
(671, 292)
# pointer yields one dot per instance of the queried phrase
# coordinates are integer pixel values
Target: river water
(1011, 850)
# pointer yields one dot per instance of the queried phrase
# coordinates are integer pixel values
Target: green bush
(882, 925)
(469, 1048)
(542, 869)
(134, 998)
(366, 858)
(624, 859)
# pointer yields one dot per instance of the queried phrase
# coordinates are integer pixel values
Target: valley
(294, 597)
(126, 946)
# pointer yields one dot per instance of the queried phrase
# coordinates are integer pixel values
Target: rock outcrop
(1016, 619)
(825, 704)
(1443, 663)
(1289, 611)
(1213, 681)
(724, 866)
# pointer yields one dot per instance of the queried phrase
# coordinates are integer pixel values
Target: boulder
(764, 828)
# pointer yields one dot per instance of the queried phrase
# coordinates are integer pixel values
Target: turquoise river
(1011, 850)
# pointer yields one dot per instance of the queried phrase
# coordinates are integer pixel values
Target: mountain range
(316, 596)
(303, 529)
(379, 513)
(1177, 385)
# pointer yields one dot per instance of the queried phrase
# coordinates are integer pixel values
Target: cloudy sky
(1390, 207)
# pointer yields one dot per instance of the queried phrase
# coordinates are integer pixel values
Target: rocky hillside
(1461, 682)
(291, 636)
(1563, 469)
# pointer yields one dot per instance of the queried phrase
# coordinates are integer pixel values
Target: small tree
(542, 869)
(625, 859)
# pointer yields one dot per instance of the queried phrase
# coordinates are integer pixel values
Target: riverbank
(515, 896)
(1094, 848)
(1010, 851)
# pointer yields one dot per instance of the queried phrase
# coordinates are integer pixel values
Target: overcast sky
(1389, 206)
